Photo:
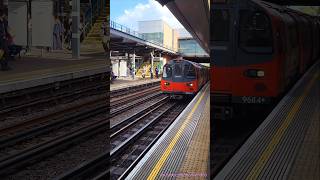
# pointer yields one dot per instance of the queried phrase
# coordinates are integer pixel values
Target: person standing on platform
(132, 72)
(3, 42)
(144, 72)
(157, 72)
(69, 36)
(151, 73)
(57, 34)
(128, 72)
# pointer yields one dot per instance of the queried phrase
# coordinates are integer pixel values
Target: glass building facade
(156, 37)
(189, 47)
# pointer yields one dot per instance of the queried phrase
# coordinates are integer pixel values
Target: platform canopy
(127, 43)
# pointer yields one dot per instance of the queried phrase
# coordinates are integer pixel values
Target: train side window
(220, 22)
(255, 32)
(189, 71)
(167, 71)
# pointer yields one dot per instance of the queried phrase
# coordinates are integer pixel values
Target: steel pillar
(152, 59)
(134, 64)
(75, 43)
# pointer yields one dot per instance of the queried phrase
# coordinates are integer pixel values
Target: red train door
(167, 78)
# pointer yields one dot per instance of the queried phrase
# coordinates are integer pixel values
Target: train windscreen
(189, 71)
(177, 70)
(255, 32)
(220, 25)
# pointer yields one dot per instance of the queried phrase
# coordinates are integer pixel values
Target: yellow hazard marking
(256, 170)
(166, 153)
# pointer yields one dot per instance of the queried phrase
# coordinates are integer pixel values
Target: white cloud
(150, 11)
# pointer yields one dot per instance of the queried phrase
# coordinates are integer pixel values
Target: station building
(159, 31)
(188, 46)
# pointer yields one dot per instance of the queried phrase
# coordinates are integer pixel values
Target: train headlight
(190, 84)
(167, 83)
(254, 73)
(260, 73)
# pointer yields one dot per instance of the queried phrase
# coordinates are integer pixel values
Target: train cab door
(166, 82)
(221, 46)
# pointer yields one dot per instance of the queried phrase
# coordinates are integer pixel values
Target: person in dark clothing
(68, 36)
(3, 42)
(113, 77)
(157, 72)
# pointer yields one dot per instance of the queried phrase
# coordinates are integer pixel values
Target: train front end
(179, 78)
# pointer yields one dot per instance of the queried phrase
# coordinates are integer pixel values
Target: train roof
(193, 63)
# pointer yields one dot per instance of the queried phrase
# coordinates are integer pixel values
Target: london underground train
(183, 77)
(258, 50)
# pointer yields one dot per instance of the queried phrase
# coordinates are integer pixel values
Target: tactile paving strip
(195, 164)
(307, 165)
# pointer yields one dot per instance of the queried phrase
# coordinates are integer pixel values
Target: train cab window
(189, 71)
(177, 70)
(167, 71)
(255, 32)
(220, 20)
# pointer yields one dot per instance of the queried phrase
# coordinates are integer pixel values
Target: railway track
(130, 141)
(24, 102)
(77, 112)
(84, 123)
(133, 140)
(129, 90)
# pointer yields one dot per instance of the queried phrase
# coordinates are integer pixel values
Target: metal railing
(136, 34)
(88, 20)
(90, 14)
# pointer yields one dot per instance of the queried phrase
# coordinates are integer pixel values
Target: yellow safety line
(256, 170)
(165, 155)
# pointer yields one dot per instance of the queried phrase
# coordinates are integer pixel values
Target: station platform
(286, 145)
(125, 83)
(35, 70)
(182, 152)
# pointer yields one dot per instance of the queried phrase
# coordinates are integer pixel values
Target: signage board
(42, 21)
(18, 22)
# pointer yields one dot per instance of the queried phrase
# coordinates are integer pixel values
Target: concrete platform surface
(34, 71)
(122, 83)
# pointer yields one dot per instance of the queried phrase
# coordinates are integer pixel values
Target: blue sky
(129, 12)
(117, 7)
